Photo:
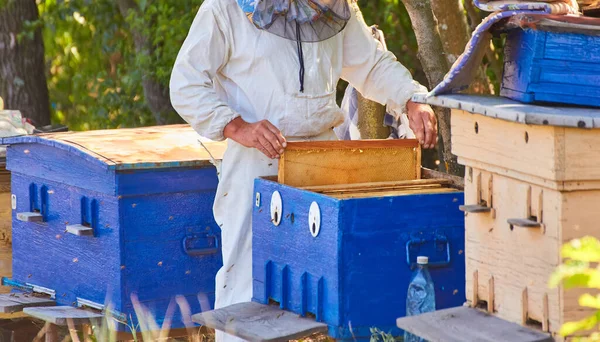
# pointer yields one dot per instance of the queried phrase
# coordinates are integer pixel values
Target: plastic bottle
(421, 295)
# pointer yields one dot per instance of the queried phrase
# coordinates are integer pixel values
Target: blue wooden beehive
(346, 261)
(102, 215)
(543, 65)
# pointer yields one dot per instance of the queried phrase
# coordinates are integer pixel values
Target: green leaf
(570, 328)
(589, 301)
(143, 4)
(586, 249)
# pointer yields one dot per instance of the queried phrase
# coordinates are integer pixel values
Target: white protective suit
(228, 68)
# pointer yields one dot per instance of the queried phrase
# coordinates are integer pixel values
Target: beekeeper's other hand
(261, 135)
(423, 123)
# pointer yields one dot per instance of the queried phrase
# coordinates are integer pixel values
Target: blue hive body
(354, 274)
(543, 66)
(146, 193)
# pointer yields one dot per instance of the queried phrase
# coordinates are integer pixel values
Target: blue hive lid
(506, 109)
(134, 148)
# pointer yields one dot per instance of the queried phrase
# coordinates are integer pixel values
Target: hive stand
(467, 324)
(256, 322)
(532, 184)
(55, 316)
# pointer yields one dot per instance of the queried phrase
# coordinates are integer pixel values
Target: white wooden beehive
(532, 183)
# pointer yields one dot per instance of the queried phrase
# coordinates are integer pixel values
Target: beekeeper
(262, 72)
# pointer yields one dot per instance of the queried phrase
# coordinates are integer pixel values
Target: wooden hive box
(532, 184)
(555, 62)
(99, 216)
(11, 124)
(5, 225)
(343, 253)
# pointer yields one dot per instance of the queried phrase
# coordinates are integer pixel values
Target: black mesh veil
(307, 21)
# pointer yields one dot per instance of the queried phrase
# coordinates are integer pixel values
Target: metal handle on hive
(200, 251)
(437, 240)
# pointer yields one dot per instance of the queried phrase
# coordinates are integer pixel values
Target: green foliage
(580, 270)
(95, 73)
(380, 336)
(96, 64)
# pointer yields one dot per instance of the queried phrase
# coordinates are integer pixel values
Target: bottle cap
(422, 260)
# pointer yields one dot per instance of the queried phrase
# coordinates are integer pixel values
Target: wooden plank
(135, 148)
(30, 217)
(503, 143)
(467, 324)
(474, 209)
(524, 223)
(313, 163)
(374, 185)
(62, 315)
(509, 110)
(16, 302)
(456, 181)
(393, 193)
(257, 323)
(80, 230)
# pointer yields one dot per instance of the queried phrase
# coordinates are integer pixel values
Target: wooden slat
(61, 315)
(468, 324)
(456, 181)
(510, 110)
(135, 148)
(524, 223)
(374, 185)
(80, 230)
(257, 323)
(30, 217)
(474, 208)
(10, 303)
(361, 194)
(349, 162)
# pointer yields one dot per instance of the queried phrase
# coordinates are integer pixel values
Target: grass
(148, 329)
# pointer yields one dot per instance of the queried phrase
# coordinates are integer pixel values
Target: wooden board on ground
(349, 162)
(62, 315)
(467, 324)
(256, 322)
(16, 302)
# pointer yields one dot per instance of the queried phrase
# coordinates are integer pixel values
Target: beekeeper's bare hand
(261, 135)
(423, 123)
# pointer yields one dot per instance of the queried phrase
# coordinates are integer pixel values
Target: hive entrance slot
(482, 305)
(532, 323)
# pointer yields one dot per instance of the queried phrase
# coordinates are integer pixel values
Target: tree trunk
(455, 33)
(23, 84)
(435, 65)
(156, 94)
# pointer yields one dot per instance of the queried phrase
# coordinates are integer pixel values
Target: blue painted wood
(73, 266)
(550, 67)
(354, 275)
(60, 166)
(140, 219)
(176, 180)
